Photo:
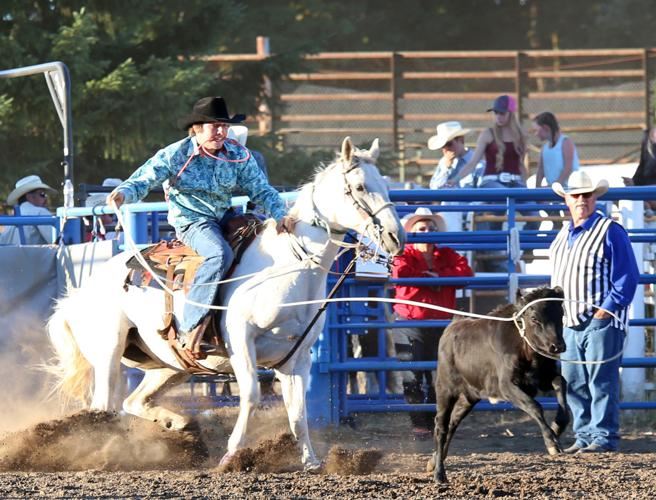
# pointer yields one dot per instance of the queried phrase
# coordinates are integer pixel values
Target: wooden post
(521, 84)
(264, 114)
(395, 70)
(646, 68)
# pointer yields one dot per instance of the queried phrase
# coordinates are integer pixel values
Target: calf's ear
(559, 291)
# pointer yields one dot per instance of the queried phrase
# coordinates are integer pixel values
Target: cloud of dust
(24, 385)
(100, 440)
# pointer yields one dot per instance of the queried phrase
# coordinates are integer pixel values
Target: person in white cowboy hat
(203, 170)
(424, 260)
(592, 260)
(101, 222)
(239, 133)
(450, 138)
(31, 196)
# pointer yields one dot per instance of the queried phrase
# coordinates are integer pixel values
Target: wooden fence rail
(602, 98)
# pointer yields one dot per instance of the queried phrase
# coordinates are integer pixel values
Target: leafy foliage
(137, 67)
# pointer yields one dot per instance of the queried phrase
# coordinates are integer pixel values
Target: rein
(316, 316)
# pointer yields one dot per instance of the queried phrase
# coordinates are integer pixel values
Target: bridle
(368, 213)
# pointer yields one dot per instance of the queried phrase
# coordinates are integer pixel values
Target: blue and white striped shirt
(594, 263)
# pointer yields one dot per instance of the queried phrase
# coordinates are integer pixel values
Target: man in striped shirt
(594, 263)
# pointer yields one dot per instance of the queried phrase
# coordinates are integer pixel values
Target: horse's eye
(360, 188)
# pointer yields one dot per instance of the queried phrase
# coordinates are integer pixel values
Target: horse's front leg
(294, 381)
(562, 416)
(244, 365)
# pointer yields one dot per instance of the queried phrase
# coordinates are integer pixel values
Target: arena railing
(334, 363)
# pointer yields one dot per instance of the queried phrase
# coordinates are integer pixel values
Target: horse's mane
(322, 169)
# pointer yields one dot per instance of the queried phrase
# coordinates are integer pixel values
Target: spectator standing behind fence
(422, 260)
(504, 147)
(31, 196)
(558, 156)
(645, 174)
(450, 139)
(592, 260)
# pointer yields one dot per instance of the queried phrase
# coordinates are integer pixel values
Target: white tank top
(553, 162)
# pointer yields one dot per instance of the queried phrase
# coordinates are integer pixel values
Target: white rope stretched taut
(514, 318)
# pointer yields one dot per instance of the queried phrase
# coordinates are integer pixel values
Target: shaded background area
(135, 71)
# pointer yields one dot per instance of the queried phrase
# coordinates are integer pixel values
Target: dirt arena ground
(493, 455)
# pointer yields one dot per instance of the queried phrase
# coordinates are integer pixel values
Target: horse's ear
(347, 150)
(374, 150)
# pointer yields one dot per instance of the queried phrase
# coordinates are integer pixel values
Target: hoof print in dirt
(273, 455)
(352, 462)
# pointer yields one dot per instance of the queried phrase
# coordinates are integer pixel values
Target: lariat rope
(516, 318)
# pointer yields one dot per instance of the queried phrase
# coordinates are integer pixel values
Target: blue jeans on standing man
(593, 390)
(206, 238)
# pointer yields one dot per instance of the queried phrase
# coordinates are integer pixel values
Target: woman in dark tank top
(504, 148)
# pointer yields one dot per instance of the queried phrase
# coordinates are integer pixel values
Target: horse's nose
(394, 243)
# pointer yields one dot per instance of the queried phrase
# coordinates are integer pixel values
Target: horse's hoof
(313, 467)
(225, 460)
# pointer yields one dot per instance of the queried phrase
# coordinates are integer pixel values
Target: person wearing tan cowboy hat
(593, 262)
(424, 260)
(202, 171)
(450, 138)
(31, 197)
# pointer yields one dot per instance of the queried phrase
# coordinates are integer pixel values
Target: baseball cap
(503, 104)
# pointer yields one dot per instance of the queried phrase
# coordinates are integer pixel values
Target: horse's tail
(73, 372)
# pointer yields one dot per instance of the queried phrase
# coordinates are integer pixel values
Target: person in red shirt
(420, 344)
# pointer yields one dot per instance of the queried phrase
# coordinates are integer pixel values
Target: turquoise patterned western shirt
(204, 189)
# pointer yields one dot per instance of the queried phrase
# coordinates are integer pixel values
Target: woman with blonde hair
(504, 147)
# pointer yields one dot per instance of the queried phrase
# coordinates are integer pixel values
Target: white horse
(104, 322)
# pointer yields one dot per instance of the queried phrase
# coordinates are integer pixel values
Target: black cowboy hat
(208, 110)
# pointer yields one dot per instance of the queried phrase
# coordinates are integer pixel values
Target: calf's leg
(526, 403)
(461, 409)
(445, 405)
(562, 415)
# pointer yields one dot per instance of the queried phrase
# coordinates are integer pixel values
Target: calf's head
(544, 320)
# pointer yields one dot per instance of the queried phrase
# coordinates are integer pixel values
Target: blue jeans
(501, 266)
(206, 238)
(593, 391)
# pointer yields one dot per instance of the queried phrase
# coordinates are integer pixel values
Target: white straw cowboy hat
(580, 183)
(95, 199)
(445, 132)
(423, 213)
(238, 133)
(25, 185)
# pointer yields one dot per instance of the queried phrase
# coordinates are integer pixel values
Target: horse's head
(351, 194)
(544, 320)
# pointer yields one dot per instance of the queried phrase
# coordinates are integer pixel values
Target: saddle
(176, 264)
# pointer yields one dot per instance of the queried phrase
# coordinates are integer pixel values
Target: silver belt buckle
(505, 177)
